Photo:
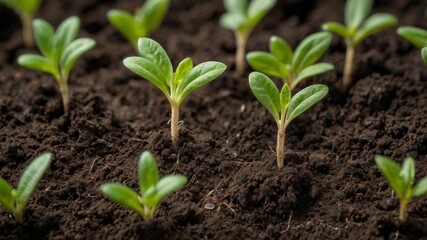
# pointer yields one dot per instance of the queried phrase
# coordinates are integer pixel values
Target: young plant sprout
(146, 20)
(14, 200)
(358, 26)
(401, 179)
(155, 66)
(153, 189)
(416, 36)
(26, 10)
(242, 18)
(60, 51)
(293, 67)
(280, 104)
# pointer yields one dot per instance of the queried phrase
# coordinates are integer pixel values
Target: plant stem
(403, 210)
(27, 29)
(280, 148)
(241, 40)
(63, 88)
(348, 67)
(174, 124)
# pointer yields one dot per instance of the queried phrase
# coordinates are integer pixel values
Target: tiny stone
(209, 206)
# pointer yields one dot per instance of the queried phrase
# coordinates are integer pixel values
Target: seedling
(292, 67)
(280, 104)
(358, 26)
(60, 51)
(14, 200)
(416, 36)
(153, 189)
(242, 18)
(26, 10)
(146, 20)
(401, 179)
(155, 66)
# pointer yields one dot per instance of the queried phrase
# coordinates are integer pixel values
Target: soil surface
(330, 187)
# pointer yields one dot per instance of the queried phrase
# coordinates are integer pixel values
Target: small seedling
(416, 36)
(153, 189)
(280, 104)
(146, 20)
(401, 179)
(15, 200)
(358, 26)
(60, 51)
(292, 67)
(242, 17)
(155, 66)
(26, 10)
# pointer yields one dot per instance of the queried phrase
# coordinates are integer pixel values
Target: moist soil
(330, 187)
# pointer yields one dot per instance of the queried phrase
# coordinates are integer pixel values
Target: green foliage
(293, 67)
(15, 200)
(152, 188)
(146, 20)
(416, 36)
(23, 6)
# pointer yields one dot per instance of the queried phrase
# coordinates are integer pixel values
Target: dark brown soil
(329, 189)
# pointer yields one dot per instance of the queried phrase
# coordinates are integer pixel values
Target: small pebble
(209, 206)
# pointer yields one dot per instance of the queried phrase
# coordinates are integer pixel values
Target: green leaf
(30, 178)
(236, 6)
(232, 21)
(125, 23)
(414, 35)
(420, 188)
(29, 6)
(257, 9)
(151, 15)
(356, 12)
(182, 70)
(337, 28)
(39, 63)
(374, 24)
(64, 35)
(147, 172)
(153, 52)
(424, 54)
(304, 99)
(6, 198)
(407, 171)
(266, 92)
(73, 52)
(169, 184)
(310, 50)
(199, 76)
(281, 49)
(391, 171)
(43, 34)
(285, 98)
(267, 63)
(311, 71)
(123, 195)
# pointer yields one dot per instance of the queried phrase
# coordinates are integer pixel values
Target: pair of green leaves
(242, 16)
(152, 188)
(293, 67)
(15, 200)
(23, 6)
(146, 20)
(281, 105)
(416, 36)
(155, 66)
(358, 25)
(401, 178)
(60, 49)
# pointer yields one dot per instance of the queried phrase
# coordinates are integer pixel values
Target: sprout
(242, 18)
(26, 10)
(15, 200)
(60, 51)
(358, 26)
(401, 179)
(292, 67)
(280, 104)
(416, 36)
(155, 66)
(153, 189)
(146, 20)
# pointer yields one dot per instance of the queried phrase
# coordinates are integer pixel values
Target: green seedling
(293, 67)
(358, 26)
(153, 189)
(416, 36)
(60, 51)
(155, 66)
(401, 179)
(242, 17)
(26, 9)
(146, 20)
(280, 104)
(15, 200)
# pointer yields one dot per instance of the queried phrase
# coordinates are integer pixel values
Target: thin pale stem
(174, 124)
(241, 40)
(348, 67)
(27, 29)
(149, 213)
(403, 211)
(63, 88)
(280, 148)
